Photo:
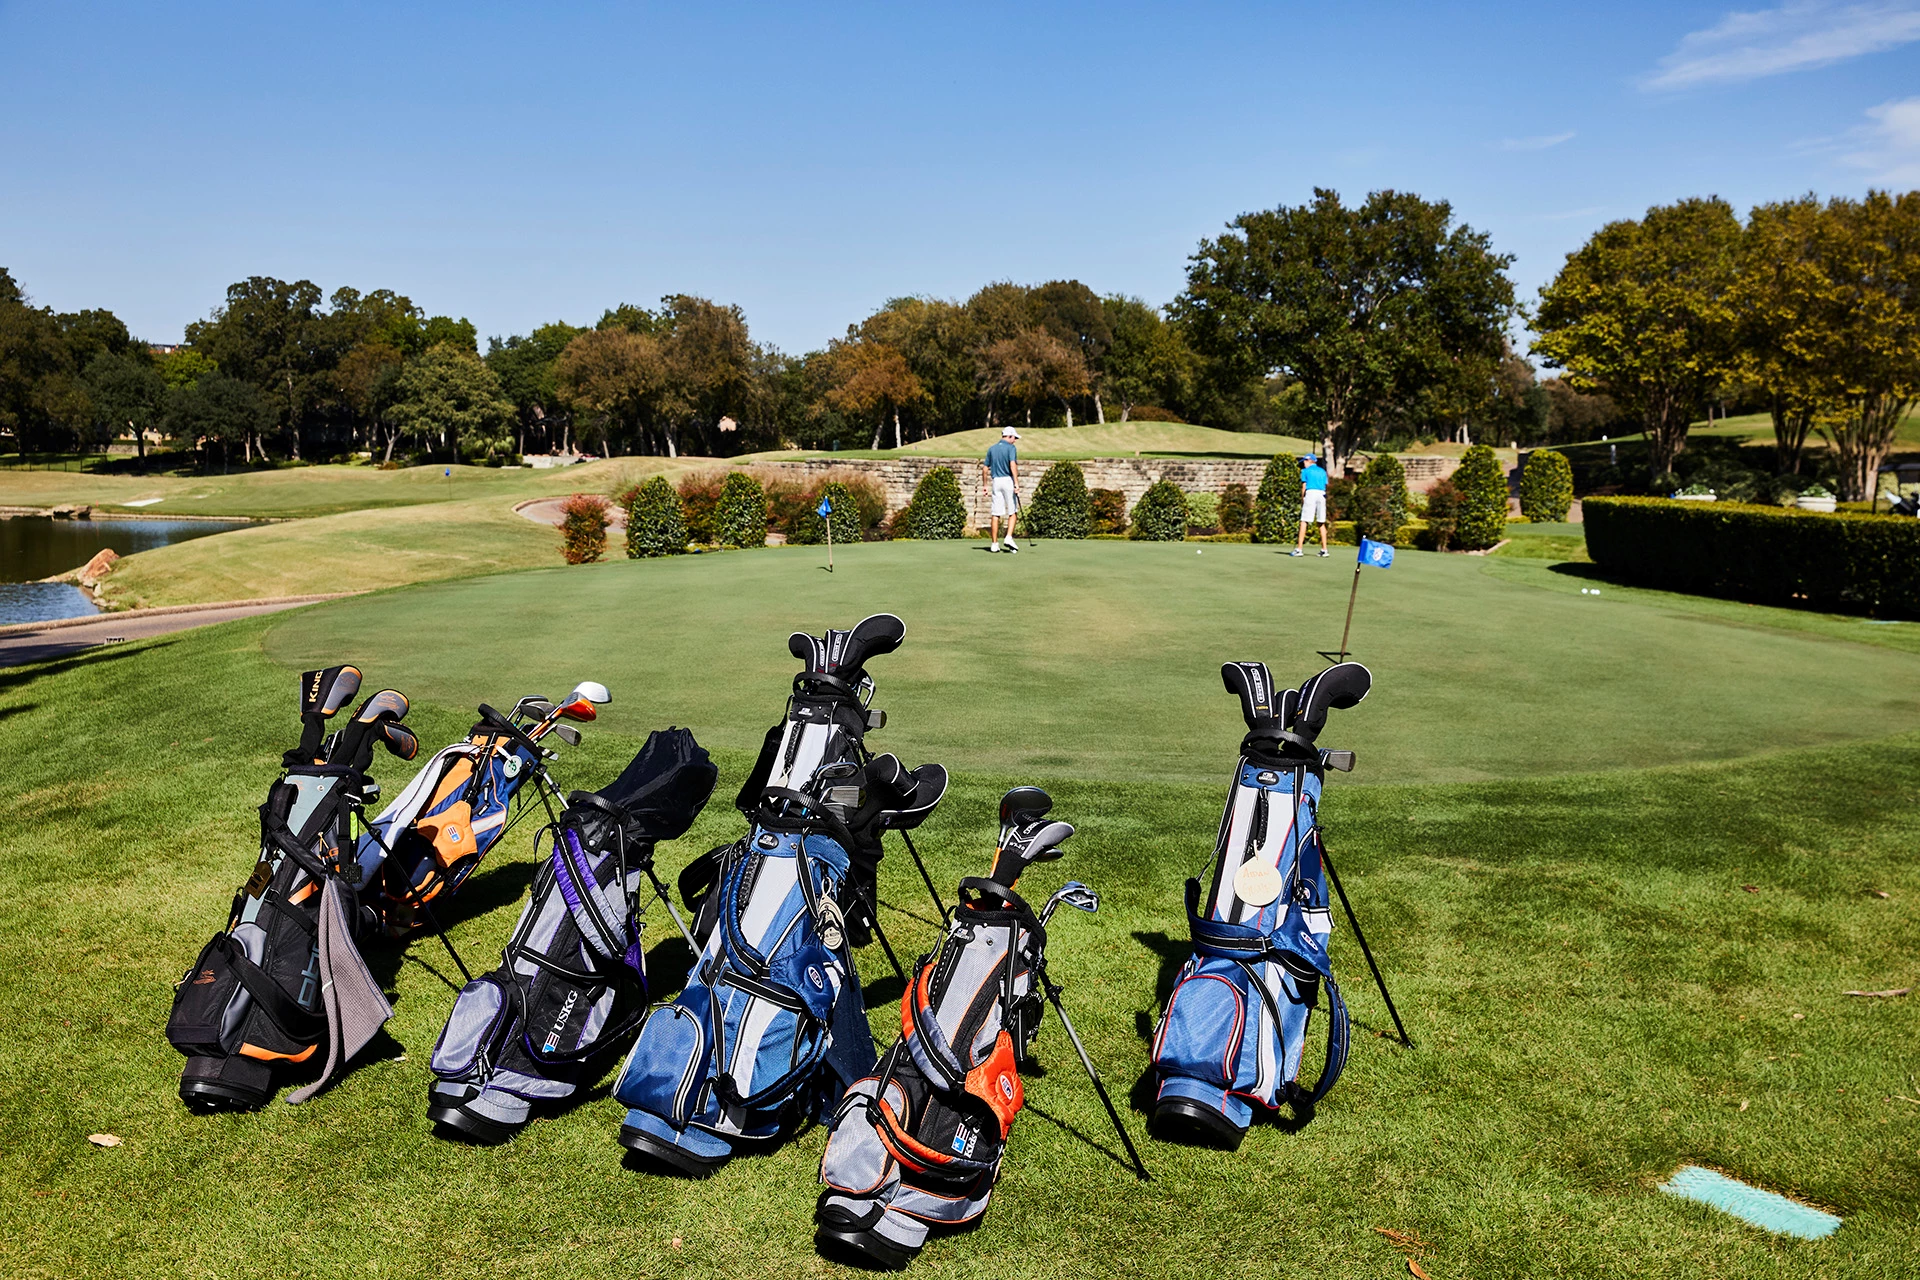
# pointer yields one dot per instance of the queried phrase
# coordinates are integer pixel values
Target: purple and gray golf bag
(1234, 1031)
(917, 1145)
(285, 977)
(571, 985)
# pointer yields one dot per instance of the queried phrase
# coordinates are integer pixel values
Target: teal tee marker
(1762, 1209)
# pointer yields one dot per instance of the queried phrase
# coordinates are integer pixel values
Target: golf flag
(1377, 554)
(824, 510)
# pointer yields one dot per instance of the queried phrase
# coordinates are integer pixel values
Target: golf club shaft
(1365, 950)
(678, 923)
(938, 905)
(1053, 994)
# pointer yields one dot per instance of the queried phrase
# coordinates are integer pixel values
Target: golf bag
(1234, 1031)
(771, 1025)
(918, 1143)
(571, 984)
(285, 976)
(822, 740)
(432, 837)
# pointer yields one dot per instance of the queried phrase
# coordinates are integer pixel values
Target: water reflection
(35, 547)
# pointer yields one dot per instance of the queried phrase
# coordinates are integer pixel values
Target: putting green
(1101, 659)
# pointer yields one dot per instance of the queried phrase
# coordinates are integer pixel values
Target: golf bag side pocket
(203, 1002)
(668, 1065)
(1205, 1024)
(472, 1028)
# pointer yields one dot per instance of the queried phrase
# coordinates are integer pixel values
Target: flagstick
(1348, 629)
(829, 544)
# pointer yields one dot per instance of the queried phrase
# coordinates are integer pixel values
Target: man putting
(1313, 503)
(1001, 471)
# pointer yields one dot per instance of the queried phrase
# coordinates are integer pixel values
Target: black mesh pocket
(201, 1001)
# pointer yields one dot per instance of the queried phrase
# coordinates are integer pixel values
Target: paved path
(547, 511)
(39, 641)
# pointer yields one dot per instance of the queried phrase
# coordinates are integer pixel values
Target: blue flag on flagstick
(1377, 554)
(824, 510)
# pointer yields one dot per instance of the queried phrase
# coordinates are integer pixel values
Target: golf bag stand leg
(1327, 860)
(1099, 1087)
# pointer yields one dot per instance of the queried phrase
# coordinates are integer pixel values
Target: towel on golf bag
(771, 1024)
(823, 731)
(436, 831)
(1234, 1032)
(572, 980)
(919, 1142)
(253, 997)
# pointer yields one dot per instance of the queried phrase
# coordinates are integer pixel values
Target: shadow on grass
(11, 677)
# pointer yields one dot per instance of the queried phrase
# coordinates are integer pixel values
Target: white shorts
(1313, 507)
(1003, 495)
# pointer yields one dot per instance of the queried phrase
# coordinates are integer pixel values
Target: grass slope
(1606, 975)
(1092, 440)
(1101, 659)
(294, 492)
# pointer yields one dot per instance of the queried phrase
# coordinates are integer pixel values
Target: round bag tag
(511, 766)
(1257, 882)
(831, 925)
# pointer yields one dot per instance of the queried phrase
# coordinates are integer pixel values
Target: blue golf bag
(771, 1026)
(1234, 1031)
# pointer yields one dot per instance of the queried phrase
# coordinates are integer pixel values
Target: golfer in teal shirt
(1313, 502)
(1001, 471)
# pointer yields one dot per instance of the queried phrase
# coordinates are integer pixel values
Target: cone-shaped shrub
(740, 516)
(1062, 507)
(1378, 503)
(1546, 487)
(1483, 499)
(1236, 509)
(1161, 514)
(936, 510)
(1276, 509)
(655, 526)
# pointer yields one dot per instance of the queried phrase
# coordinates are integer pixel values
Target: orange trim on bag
(996, 1082)
(267, 1055)
(903, 1146)
(304, 892)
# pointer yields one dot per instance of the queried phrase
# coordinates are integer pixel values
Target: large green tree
(525, 367)
(1148, 362)
(127, 391)
(1784, 310)
(1644, 311)
(1870, 252)
(447, 390)
(1363, 309)
(268, 333)
(615, 376)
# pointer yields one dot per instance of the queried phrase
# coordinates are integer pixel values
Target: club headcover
(1024, 805)
(904, 797)
(1026, 835)
(1340, 686)
(322, 693)
(844, 653)
(354, 745)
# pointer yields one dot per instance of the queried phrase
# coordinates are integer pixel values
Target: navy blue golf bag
(771, 1026)
(1234, 1031)
(571, 985)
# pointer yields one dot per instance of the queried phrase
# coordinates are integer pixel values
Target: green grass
(1091, 440)
(295, 492)
(1595, 994)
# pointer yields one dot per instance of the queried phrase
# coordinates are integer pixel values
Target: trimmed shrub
(1203, 511)
(788, 501)
(810, 527)
(740, 514)
(1483, 499)
(936, 510)
(1109, 510)
(583, 528)
(869, 502)
(699, 496)
(1161, 514)
(1844, 562)
(1236, 509)
(1061, 508)
(1443, 515)
(1276, 508)
(655, 526)
(1546, 487)
(1377, 504)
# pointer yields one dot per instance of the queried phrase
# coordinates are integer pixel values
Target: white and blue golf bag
(1234, 1032)
(771, 1026)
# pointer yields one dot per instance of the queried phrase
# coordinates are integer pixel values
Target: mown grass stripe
(1763, 1209)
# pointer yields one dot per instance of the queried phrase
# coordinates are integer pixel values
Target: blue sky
(516, 164)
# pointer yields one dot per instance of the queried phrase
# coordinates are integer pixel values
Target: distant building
(165, 348)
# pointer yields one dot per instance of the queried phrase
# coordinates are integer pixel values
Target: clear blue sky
(517, 165)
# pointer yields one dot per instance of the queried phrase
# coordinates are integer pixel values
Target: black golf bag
(1234, 1031)
(917, 1144)
(571, 985)
(819, 745)
(771, 1025)
(285, 976)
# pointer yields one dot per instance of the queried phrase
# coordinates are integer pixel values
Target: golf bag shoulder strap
(285, 1012)
(1339, 1034)
(1220, 938)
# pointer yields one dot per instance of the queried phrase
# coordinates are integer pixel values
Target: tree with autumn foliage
(872, 380)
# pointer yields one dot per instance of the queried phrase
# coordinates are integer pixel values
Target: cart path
(547, 511)
(40, 641)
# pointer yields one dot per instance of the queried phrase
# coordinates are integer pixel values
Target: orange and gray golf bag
(285, 976)
(917, 1145)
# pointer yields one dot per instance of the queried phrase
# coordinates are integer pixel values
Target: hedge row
(1844, 562)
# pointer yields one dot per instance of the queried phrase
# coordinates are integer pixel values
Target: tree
(1784, 310)
(448, 389)
(127, 390)
(37, 378)
(1546, 487)
(1073, 314)
(1644, 312)
(1482, 486)
(1148, 362)
(871, 380)
(1870, 251)
(613, 374)
(368, 378)
(266, 334)
(1276, 507)
(740, 517)
(1033, 366)
(1062, 507)
(1362, 308)
(525, 367)
(708, 365)
(216, 409)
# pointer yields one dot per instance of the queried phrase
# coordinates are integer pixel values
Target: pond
(35, 547)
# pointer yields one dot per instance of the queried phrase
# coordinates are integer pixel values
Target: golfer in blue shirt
(1313, 502)
(1001, 470)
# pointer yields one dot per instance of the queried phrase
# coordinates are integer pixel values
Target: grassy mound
(1606, 972)
(1096, 440)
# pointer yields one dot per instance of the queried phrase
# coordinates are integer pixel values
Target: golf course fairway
(1620, 856)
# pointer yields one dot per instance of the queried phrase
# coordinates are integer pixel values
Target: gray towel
(356, 1007)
